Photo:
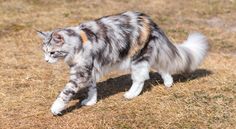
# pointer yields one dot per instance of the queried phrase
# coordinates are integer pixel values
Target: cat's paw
(168, 82)
(58, 106)
(129, 95)
(88, 102)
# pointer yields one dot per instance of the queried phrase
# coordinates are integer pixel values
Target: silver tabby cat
(128, 41)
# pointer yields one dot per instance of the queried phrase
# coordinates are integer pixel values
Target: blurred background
(202, 99)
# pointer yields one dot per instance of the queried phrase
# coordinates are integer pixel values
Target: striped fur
(128, 41)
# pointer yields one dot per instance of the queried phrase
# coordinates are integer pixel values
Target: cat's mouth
(58, 54)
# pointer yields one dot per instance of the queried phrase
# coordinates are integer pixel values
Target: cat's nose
(47, 60)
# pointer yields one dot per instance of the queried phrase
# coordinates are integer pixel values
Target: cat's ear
(58, 37)
(42, 35)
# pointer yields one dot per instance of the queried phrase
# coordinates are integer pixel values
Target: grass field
(205, 98)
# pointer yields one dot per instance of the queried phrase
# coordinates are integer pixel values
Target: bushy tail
(191, 52)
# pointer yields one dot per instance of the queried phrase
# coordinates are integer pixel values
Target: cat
(126, 41)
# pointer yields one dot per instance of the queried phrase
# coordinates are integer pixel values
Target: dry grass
(203, 99)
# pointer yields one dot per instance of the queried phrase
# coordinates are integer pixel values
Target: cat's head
(57, 45)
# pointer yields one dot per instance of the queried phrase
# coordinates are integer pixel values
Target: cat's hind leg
(139, 73)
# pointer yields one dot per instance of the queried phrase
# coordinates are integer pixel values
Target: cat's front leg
(58, 106)
(64, 97)
(80, 77)
(92, 96)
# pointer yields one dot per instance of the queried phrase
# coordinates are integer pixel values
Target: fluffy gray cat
(127, 41)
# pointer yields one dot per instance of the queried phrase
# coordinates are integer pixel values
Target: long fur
(186, 56)
(127, 41)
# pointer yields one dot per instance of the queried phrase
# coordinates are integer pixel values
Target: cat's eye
(51, 53)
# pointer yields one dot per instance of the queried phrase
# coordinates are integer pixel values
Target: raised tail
(191, 52)
(179, 58)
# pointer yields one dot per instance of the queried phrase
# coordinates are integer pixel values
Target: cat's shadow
(122, 83)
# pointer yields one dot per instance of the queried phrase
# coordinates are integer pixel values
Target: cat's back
(125, 20)
(118, 36)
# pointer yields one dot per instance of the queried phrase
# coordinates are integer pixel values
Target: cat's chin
(53, 61)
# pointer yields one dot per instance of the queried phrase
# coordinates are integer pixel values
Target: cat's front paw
(88, 102)
(129, 95)
(58, 106)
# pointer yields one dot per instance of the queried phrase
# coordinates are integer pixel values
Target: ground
(205, 98)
